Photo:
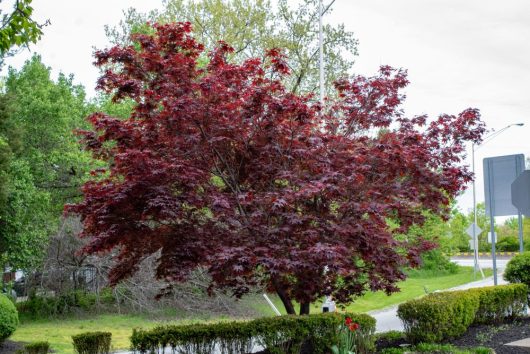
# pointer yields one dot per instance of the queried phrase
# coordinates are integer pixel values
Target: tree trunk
(304, 308)
(287, 303)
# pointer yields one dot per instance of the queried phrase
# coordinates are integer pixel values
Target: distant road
(484, 262)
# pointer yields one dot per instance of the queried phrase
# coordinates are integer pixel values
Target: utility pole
(321, 50)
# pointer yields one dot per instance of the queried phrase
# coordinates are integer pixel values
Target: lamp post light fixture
(475, 147)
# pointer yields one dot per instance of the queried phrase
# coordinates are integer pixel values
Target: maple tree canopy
(220, 167)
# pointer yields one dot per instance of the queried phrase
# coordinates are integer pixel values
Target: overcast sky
(459, 54)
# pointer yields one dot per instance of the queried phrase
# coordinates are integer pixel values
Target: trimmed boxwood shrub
(500, 303)
(35, 348)
(438, 316)
(282, 334)
(8, 317)
(92, 342)
(446, 315)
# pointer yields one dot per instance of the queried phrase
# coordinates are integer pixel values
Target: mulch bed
(490, 336)
(495, 336)
(9, 347)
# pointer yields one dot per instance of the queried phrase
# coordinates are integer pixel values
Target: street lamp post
(321, 51)
(475, 147)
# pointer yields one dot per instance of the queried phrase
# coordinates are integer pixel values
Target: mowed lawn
(413, 287)
(59, 332)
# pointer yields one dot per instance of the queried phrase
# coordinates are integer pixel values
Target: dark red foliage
(220, 167)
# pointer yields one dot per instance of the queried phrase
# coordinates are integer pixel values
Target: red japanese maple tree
(220, 167)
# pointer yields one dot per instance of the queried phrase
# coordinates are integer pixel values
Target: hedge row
(500, 303)
(282, 334)
(446, 315)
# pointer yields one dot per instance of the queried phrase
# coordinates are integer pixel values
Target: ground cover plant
(437, 348)
(219, 166)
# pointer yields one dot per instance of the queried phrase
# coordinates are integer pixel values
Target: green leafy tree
(483, 222)
(41, 162)
(18, 28)
(47, 113)
(458, 239)
(449, 234)
(251, 26)
(26, 221)
(510, 231)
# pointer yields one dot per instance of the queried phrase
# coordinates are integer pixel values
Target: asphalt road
(483, 262)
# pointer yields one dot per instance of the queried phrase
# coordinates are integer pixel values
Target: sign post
(521, 200)
(473, 231)
(499, 174)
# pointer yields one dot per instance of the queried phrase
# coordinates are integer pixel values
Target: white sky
(459, 54)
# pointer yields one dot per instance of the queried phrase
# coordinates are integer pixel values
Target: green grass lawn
(413, 287)
(59, 332)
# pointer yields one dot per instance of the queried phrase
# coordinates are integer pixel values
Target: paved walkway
(387, 319)
(525, 343)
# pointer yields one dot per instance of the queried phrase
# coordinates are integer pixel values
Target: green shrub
(438, 316)
(436, 262)
(390, 336)
(92, 342)
(518, 269)
(282, 334)
(508, 244)
(37, 306)
(35, 348)
(500, 303)
(8, 318)
(445, 315)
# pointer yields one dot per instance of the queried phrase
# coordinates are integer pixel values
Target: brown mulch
(9, 347)
(495, 336)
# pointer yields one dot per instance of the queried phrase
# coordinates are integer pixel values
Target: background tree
(483, 222)
(458, 240)
(253, 26)
(450, 236)
(508, 234)
(18, 28)
(221, 167)
(42, 164)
